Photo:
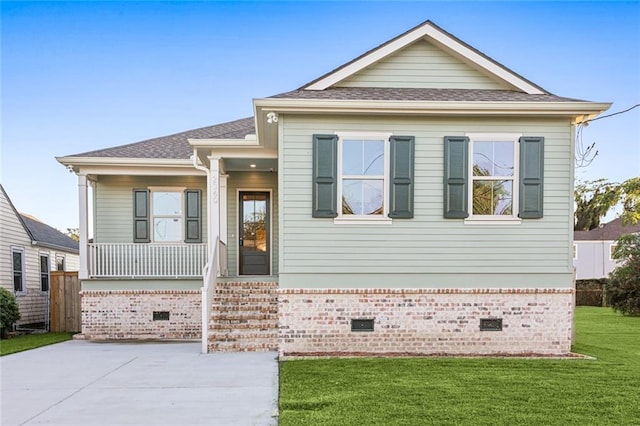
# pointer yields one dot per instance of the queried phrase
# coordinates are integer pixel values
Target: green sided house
(416, 200)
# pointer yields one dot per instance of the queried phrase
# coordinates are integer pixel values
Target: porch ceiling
(244, 164)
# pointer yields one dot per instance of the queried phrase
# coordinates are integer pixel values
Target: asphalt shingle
(45, 234)
(176, 146)
(420, 94)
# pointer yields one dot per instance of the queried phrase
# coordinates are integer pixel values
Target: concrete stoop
(244, 317)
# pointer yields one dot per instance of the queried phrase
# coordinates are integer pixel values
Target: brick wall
(129, 314)
(425, 321)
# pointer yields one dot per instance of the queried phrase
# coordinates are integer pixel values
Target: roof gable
(422, 65)
(433, 36)
(40, 233)
(45, 235)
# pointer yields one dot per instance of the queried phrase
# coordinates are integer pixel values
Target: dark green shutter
(325, 176)
(192, 216)
(141, 216)
(456, 177)
(401, 177)
(531, 177)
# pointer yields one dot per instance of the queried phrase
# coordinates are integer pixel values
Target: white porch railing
(210, 274)
(146, 260)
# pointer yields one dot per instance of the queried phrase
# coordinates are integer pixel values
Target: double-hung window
(167, 215)
(495, 178)
(494, 184)
(44, 272)
(17, 263)
(363, 172)
(166, 208)
(363, 177)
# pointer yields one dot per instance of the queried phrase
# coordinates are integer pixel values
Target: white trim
(22, 251)
(441, 40)
(237, 229)
(515, 178)
(364, 219)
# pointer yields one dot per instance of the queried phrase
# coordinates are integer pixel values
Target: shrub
(9, 311)
(623, 289)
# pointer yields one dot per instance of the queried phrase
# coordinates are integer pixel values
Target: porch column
(223, 208)
(83, 274)
(214, 202)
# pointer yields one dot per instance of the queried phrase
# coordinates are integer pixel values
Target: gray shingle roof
(48, 236)
(177, 146)
(419, 94)
(607, 232)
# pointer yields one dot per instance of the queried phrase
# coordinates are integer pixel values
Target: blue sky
(78, 76)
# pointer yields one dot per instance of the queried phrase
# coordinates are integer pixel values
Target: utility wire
(611, 115)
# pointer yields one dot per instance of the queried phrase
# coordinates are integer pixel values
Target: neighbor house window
(612, 248)
(493, 174)
(363, 175)
(60, 263)
(575, 251)
(44, 272)
(17, 262)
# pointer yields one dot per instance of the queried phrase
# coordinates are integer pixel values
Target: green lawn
(481, 391)
(31, 341)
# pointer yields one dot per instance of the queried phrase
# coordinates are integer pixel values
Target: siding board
(428, 243)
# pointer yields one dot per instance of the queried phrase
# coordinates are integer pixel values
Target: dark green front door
(254, 233)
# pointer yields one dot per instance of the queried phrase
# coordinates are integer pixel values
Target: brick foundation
(425, 321)
(128, 314)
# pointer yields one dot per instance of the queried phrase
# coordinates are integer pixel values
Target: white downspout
(207, 171)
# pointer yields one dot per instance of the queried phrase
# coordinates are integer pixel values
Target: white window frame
(20, 250)
(575, 251)
(40, 256)
(612, 247)
(152, 217)
(364, 219)
(512, 219)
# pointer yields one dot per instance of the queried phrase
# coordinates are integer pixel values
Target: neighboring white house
(592, 249)
(417, 199)
(29, 250)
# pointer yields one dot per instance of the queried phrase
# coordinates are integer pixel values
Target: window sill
(363, 221)
(493, 221)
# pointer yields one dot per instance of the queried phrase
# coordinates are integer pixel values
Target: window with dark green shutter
(141, 226)
(363, 176)
(193, 216)
(480, 179)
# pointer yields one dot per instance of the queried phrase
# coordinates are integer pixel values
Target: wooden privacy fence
(65, 302)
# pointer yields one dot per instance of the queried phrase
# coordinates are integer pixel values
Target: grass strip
(478, 391)
(31, 341)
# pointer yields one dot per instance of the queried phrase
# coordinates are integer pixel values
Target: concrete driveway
(85, 383)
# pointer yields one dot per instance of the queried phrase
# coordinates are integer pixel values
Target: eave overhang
(129, 166)
(580, 111)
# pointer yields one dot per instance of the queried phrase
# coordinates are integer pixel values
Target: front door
(254, 233)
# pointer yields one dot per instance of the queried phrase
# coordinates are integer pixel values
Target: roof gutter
(371, 107)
